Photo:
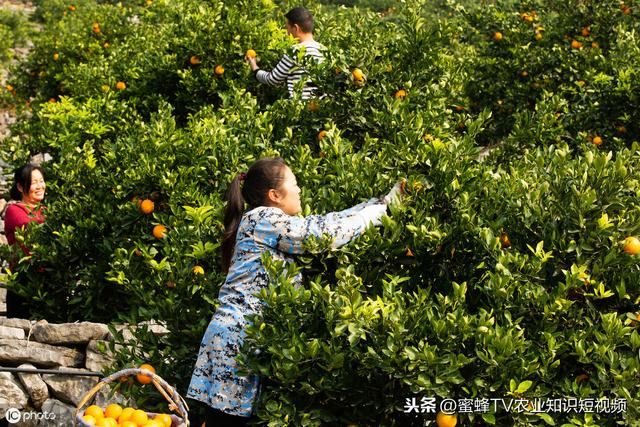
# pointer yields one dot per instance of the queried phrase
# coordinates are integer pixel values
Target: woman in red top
(27, 194)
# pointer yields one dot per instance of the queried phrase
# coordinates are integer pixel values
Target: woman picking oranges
(27, 194)
(270, 224)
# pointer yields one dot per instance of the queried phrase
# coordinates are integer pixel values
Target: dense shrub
(496, 278)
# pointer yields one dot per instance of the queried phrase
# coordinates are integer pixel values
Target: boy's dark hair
(250, 188)
(22, 177)
(302, 17)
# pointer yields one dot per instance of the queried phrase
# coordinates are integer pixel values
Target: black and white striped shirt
(291, 70)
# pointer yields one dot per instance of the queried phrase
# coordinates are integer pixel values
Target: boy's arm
(278, 75)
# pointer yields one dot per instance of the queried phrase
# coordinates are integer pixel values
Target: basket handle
(176, 402)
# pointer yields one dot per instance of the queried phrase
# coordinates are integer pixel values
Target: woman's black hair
(22, 177)
(250, 188)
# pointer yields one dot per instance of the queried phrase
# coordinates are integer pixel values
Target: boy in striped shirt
(300, 25)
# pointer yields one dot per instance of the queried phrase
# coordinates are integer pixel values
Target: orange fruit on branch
(219, 70)
(194, 60)
(401, 93)
(497, 36)
(147, 206)
(121, 85)
(250, 53)
(446, 420)
(143, 379)
(159, 231)
(631, 245)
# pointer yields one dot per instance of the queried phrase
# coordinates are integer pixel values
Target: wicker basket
(176, 402)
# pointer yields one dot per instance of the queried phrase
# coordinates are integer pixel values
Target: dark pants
(216, 418)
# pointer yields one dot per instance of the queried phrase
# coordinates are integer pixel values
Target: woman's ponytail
(250, 188)
(232, 215)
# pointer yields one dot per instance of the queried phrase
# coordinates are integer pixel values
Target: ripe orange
(576, 44)
(139, 417)
(538, 36)
(401, 93)
(597, 140)
(125, 415)
(113, 411)
(595, 45)
(585, 31)
(95, 411)
(219, 70)
(89, 419)
(524, 73)
(313, 106)
(250, 53)
(153, 423)
(194, 60)
(106, 422)
(96, 28)
(121, 85)
(9, 88)
(146, 207)
(158, 231)
(143, 379)
(497, 36)
(72, 8)
(106, 45)
(357, 74)
(446, 420)
(632, 245)
(149, 2)
(165, 419)
(322, 134)
(504, 240)
(56, 56)
(52, 100)
(127, 424)
(198, 269)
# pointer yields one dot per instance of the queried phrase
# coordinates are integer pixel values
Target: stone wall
(50, 399)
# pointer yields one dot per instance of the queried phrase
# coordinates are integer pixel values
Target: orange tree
(467, 289)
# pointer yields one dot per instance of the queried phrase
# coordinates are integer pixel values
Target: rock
(56, 414)
(68, 388)
(95, 359)
(11, 322)
(35, 386)
(68, 333)
(43, 355)
(9, 332)
(128, 330)
(11, 394)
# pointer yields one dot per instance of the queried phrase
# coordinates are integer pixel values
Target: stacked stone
(77, 347)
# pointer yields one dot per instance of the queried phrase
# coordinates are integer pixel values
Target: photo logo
(13, 415)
